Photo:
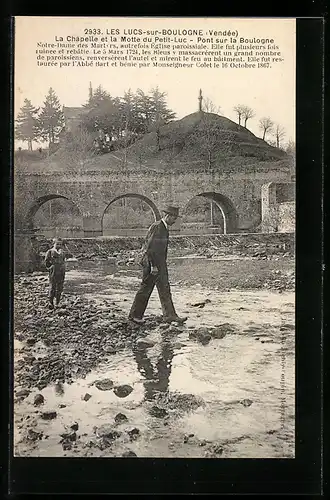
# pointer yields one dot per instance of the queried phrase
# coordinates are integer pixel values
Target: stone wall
(278, 207)
(286, 217)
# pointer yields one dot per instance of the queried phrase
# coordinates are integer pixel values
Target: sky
(270, 92)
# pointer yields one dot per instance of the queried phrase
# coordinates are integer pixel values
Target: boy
(55, 263)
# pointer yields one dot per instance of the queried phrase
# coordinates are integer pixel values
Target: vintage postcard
(154, 207)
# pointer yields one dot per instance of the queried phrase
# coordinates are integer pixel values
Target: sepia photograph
(154, 237)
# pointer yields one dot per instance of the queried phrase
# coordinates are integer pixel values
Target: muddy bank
(264, 260)
(254, 245)
(69, 341)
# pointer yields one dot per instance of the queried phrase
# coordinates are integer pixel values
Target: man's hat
(172, 211)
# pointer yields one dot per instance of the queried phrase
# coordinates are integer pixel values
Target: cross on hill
(200, 98)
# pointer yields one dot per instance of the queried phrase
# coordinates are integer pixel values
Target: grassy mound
(199, 141)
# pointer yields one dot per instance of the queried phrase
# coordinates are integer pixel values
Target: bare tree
(209, 106)
(247, 114)
(207, 135)
(266, 125)
(239, 109)
(291, 148)
(208, 139)
(279, 133)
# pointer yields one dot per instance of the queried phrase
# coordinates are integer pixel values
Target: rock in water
(69, 436)
(31, 341)
(86, 397)
(120, 418)
(122, 391)
(49, 415)
(33, 435)
(217, 449)
(23, 393)
(104, 385)
(133, 433)
(74, 426)
(186, 437)
(181, 402)
(246, 402)
(107, 431)
(202, 335)
(129, 454)
(220, 331)
(38, 400)
(158, 412)
(144, 343)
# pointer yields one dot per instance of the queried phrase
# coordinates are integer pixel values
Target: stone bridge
(238, 195)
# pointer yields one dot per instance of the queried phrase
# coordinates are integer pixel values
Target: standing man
(55, 263)
(155, 270)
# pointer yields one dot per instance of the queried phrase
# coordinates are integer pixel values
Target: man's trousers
(56, 282)
(147, 285)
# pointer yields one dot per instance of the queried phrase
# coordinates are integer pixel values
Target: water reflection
(59, 388)
(157, 378)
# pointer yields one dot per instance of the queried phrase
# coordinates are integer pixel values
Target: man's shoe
(138, 321)
(176, 319)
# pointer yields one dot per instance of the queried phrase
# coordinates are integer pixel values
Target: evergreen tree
(51, 118)
(160, 113)
(102, 113)
(27, 128)
(123, 119)
(145, 110)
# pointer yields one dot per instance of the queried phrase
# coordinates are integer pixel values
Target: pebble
(38, 400)
(246, 402)
(186, 437)
(144, 343)
(23, 393)
(74, 426)
(220, 331)
(134, 433)
(120, 418)
(129, 454)
(48, 415)
(67, 445)
(104, 385)
(202, 335)
(107, 431)
(33, 435)
(69, 436)
(122, 391)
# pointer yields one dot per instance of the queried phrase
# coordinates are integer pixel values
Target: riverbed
(227, 397)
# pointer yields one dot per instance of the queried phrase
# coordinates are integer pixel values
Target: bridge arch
(141, 197)
(36, 204)
(225, 205)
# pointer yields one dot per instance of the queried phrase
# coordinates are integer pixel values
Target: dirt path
(188, 393)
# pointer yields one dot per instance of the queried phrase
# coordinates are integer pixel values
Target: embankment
(29, 250)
